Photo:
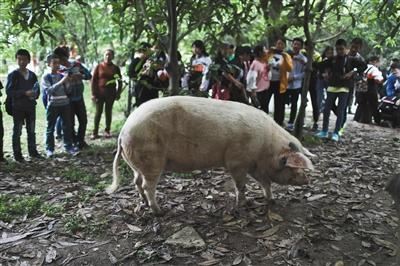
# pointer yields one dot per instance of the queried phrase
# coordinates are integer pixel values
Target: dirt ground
(344, 217)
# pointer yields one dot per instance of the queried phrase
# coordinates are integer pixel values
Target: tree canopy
(123, 24)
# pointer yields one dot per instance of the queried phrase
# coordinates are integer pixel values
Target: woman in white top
(195, 80)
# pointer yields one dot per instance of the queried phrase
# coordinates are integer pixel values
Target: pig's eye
(283, 162)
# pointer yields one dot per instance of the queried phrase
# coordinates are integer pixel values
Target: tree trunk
(173, 68)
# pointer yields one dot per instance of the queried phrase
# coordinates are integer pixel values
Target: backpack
(44, 94)
(8, 103)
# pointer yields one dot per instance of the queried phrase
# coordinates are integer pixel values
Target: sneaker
(107, 134)
(83, 145)
(19, 158)
(94, 136)
(341, 132)
(36, 155)
(49, 153)
(322, 134)
(314, 127)
(335, 137)
(290, 127)
(72, 151)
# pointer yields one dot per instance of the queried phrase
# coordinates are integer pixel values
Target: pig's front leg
(265, 183)
(240, 179)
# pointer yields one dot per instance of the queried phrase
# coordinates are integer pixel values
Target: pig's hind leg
(138, 180)
(150, 181)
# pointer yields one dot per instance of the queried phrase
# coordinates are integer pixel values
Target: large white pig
(184, 133)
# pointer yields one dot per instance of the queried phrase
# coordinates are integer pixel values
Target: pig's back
(196, 132)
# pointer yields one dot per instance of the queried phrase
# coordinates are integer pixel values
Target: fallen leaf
(270, 232)
(386, 244)
(51, 255)
(237, 260)
(209, 262)
(134, 228)
(274, 216)
(317, 197)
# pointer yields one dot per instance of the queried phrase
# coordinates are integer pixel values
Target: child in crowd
(258, 80)
(195, 80)
(77, 73)
(23, 88)
(58, 105)
(295, 79)
(280, 64)
(340, 70)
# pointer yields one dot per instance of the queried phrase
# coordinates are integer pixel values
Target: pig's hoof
(111, 189)
(158, 212)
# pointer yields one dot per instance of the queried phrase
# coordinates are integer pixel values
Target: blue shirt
(390, 85)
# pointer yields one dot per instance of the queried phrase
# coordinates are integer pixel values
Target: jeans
(279, 102)
(59, 125)
(53, 115)
(321, 87)
(99, 110)
(341, 109)
(292, 97)
(78, 108)
(20, 117)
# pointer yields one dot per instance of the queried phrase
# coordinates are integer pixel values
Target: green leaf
(59, 16)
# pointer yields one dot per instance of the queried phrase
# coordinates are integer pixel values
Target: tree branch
(331, 37)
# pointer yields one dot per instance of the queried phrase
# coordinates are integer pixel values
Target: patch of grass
(12, 207)
(9, 167)
(78, 175)
(52, 210)
(75, 223)
(310, 140)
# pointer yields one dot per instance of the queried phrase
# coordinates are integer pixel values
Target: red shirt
(104, 80)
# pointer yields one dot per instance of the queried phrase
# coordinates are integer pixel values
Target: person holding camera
(54, 86)
(77, 73)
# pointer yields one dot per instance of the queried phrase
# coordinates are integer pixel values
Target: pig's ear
(296, 160)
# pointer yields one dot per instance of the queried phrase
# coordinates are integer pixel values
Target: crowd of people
(62, 95)
(243, 74)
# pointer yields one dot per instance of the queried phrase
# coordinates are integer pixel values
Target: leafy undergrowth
(56, 211)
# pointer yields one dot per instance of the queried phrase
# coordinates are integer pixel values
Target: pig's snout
(301, 178)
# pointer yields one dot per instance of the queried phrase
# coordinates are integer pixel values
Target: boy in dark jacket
(23, 88)
(341, 70)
